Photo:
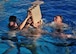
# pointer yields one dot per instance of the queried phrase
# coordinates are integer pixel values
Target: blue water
(50, 8)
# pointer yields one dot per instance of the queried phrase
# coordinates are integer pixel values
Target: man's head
(58, 19)
(30, 21)
(12, 23)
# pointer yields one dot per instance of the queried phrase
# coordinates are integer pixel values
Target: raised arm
(24, 22)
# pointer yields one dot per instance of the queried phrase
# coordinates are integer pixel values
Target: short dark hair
(12, 18)
(59, 16)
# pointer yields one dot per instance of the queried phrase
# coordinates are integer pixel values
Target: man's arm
(24, 22)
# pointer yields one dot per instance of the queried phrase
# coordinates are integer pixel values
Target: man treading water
(57, 23)
(59, 27)
(11, 35)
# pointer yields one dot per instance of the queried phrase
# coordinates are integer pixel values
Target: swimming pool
(49, 9)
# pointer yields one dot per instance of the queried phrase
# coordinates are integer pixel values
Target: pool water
(45, 44)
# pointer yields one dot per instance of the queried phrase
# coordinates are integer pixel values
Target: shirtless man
(59, 27)
(11, 35)
(57, 23)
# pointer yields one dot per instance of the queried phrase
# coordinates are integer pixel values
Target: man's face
(29, 21)
(59, 19)
(13, 23)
